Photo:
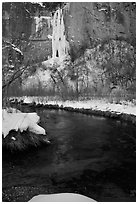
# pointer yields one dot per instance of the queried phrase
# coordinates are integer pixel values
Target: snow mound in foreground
(12, 120)
(62, 197)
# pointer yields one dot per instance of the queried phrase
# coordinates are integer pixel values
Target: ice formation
(60, 46)
(39, 22)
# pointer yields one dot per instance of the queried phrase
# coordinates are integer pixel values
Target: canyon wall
(89, 22)
(77, 25)
(99, 38)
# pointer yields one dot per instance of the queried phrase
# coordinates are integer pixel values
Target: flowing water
(93, 156)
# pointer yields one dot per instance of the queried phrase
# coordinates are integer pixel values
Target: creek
(93, 156)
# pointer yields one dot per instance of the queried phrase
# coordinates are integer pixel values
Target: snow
(60, 46)
(49, 36)
(39, 21)
(59, 42)
(16, 120)
(42, 77)
(62, 197)
(13, 47)
(103, 105)
(100, 105)
(13, 138)
(17, 50)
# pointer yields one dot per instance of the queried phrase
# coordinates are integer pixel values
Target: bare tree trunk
(5, 101)
(77, 86)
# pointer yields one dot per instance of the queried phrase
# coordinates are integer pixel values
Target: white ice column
(59, 44)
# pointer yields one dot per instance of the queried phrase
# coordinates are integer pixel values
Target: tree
(12, 66)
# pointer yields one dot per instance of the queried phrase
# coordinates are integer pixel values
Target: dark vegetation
(22, 140)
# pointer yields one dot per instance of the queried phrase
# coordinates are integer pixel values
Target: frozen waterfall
(60, 46)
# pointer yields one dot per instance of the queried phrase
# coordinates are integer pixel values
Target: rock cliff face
(99, 38)
(78, 25)
(89, 22)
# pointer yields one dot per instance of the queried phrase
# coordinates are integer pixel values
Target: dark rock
(17, 140)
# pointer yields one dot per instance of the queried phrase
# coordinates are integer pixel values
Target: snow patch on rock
(20, 121)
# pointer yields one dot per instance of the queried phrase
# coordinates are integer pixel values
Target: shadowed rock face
(87, 22)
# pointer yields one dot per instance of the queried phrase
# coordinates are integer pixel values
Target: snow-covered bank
(101, 107)
(21, 129)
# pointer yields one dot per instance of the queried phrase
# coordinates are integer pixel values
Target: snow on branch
(13, 47)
